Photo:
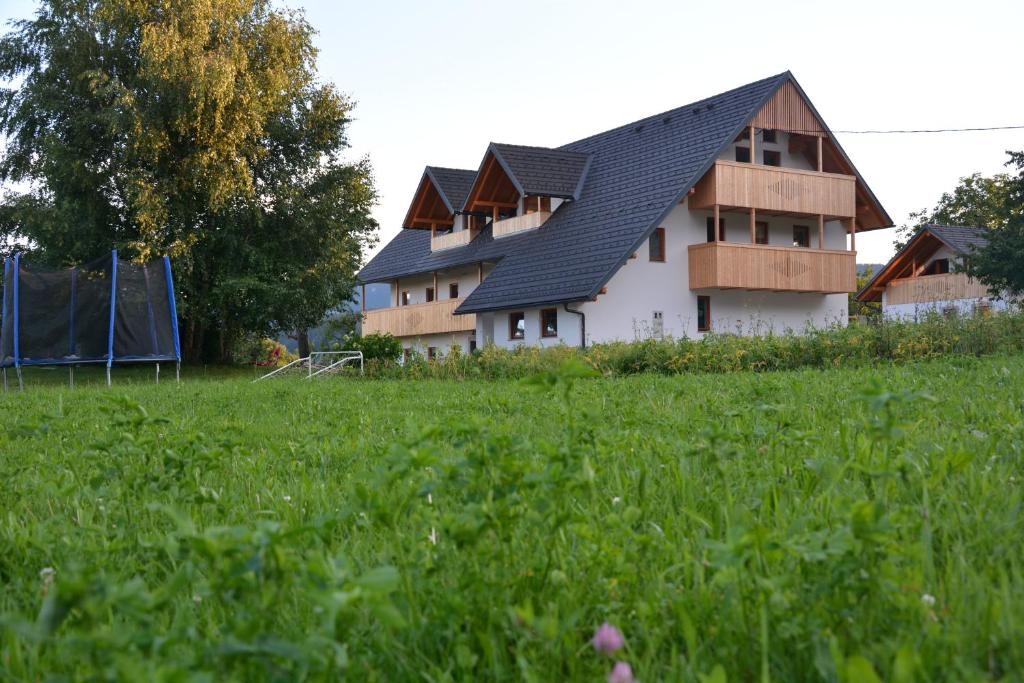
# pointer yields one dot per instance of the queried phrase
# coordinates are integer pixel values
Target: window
(536, 203)
(405, 298)
(657, 324)
(453, 290)
(769, 135)
(549, 322)
(703, 314)
(801, 236)
(743, 155)
(430, 294)
(950, 311)
(431, 353)
(983, 309)
(760, 232)
(937, 267)
(656, 245)
(406, 355)
(472, 345)
(711, 229)
(517, 325)
(772, 158)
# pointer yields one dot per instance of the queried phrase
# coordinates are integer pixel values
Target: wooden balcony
(728, 265)
(530, 221)
(418, 319)
(776, 190)
(927, 288)
(452, 239)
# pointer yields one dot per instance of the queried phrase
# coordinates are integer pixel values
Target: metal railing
(318, 363)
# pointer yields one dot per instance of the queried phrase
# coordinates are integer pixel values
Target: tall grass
(840, 525)
(855, 345)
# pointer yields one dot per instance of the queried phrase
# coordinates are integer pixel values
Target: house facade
(926, 277)
(736, 214)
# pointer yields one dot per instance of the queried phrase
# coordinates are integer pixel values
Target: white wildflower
(616, 500)
(928, 599)
(287, 499)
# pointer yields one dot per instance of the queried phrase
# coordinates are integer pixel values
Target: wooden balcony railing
(452, 239)
(510, 226)
(773, 189)
(927, 288)
(418, 319)
(728, 265)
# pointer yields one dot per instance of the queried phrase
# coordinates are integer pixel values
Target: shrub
(375, 347)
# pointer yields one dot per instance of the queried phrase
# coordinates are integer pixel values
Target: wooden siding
(788, 111)
(530, 221)
(927, 288)
(727, 265)
(419, 319)
(773, 189)
(452, 239)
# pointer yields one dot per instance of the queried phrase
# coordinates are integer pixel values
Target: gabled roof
(929, 239)
(453, 183)
(633, 176)
(439, 195)
(542, 170)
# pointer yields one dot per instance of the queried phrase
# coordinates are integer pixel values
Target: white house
(613, 237)
(925, 276)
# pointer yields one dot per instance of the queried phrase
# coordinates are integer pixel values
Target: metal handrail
(358, 355)
(308, 361)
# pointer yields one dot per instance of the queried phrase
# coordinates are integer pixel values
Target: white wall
(781, 146)
(441, 342)
(641, 287)
(915, 312)
(494, 327)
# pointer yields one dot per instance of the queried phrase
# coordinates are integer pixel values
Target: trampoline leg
(158, 373)
(177, 372)
(21, 384)
(5, 380)
(108, 375)
(71, 376)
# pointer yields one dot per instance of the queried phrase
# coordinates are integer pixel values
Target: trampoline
(106, 311)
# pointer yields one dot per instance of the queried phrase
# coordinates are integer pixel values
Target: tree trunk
(303, 338)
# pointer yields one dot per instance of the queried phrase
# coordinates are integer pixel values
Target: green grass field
(843, 525)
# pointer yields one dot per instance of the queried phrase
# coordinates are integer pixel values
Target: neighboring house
(613, 236)
(923, 276)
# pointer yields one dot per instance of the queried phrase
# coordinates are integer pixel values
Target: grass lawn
(844, 525)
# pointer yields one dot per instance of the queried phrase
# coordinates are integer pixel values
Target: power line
(919, 130)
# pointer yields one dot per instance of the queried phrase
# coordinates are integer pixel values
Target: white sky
(436, 81)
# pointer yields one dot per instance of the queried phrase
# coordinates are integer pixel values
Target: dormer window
(772, 157)
(535, 204)
(743, 155)
(768, 135)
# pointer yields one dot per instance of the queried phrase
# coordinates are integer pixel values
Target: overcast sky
(436, 81)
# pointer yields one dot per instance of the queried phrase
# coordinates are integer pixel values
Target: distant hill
(861, 268)
(377, 296)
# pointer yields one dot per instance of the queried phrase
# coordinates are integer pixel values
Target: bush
(375, 347)
(839, 346)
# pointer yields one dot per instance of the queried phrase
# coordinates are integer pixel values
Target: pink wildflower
(607, 639)
(622, 672)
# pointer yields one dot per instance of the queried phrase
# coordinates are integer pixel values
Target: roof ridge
(674, 110)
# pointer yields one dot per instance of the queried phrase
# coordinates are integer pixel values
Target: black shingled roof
(635, 176)
(453, 184)
(542, 170)
(960, 238)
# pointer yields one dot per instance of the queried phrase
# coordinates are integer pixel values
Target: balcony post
(494, 214)
(433, 230)
(753, 226)
(821, 231)
(853, 234)
(753, 146)
(434, 283)
(820, 164)
(398, 292)
(715, 224)
(362, 299)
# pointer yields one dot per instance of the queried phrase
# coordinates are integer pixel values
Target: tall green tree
(1000, 264)
(195, 128)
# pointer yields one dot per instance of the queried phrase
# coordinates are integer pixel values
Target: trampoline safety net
(106, 311)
